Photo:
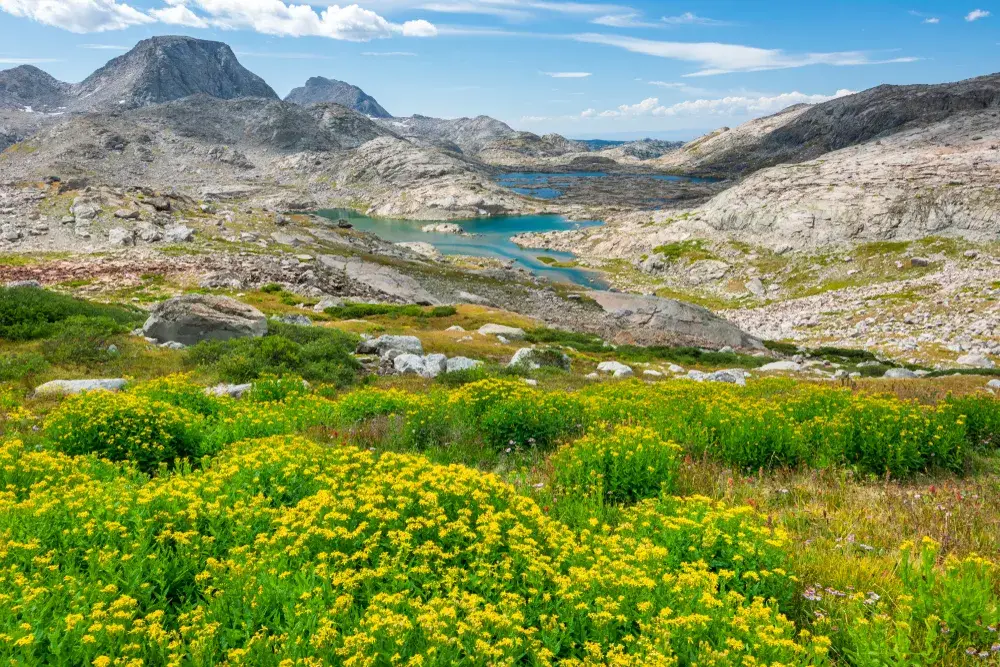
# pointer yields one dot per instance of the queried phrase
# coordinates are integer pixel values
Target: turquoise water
(490, 238)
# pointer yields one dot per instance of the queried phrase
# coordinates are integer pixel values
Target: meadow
(478, 520)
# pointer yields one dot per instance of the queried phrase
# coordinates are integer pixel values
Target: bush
(579, 341)
(124, 427)
(180, 391)
(351, 311)
(982, 419)
(28, 313)
(509, 414)
(628, 464)
(82, 340)
(20, 366)
(270, 389)
(316, 354)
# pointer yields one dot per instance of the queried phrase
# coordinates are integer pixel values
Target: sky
(582, 68)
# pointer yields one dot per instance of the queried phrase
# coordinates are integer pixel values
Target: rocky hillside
(465, 135)
(319, 89)
(513, 148)
(402, 180)
(807, 132)
(157, 70)
(28, 88)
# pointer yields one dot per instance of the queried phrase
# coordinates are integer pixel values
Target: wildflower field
(478, 520)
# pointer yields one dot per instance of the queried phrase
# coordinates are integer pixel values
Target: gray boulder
(230, 390)
(192, 318)
(384, 344)
(65, 387)
(179, 234)
(34, 284)
(789, 366)
(731, 376)
(900, 374)
(533, 358)
(461, 364)
(651, 320)
(379, 278)
(300, 320)
(121, 237)
(409, 364)
(993, 384)
(435, 364)
(976, 361)
(617, 369)
(510, 333)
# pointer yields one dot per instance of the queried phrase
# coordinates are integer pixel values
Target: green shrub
(180, 391)
(82, 340)
(687, 356)
(272, 288)
(316, 354)
(271, 388)
(579, 341)
(364, 404)
(982, 419)
(19, 366)
(351, 311)
(628, 464)
(28, 313)
(508, 414)
(124, 427)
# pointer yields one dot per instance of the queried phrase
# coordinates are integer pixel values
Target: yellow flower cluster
(282, 550)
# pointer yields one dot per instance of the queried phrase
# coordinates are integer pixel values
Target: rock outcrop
(466, 135)
(319, 89)
(192, 318)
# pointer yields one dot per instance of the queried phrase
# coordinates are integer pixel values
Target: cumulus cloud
(179, 15)
(726, 106)
(567, 75)
(80, 16)
(976, 14)
(716, 58)
(419, 28)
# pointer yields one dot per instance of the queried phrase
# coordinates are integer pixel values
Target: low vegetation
(475, 519)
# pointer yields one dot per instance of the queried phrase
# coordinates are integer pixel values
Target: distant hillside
(319, 89)
(467, 135)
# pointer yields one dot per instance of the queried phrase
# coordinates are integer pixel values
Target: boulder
(409, 364)
(900, 374)
(385, 344)
(651, 320)
(976, 361)
(919, 261)
(461, 364)
(652, 374)
(444, 228)
(179, 234)
(327, 302)
(231, 390)
(33, 284)
(299, 320)
(192, 318)
(121, 237)
(65, 387)
(788, 366)
(125, 214)
(756, 287)
(510, 333)
(422, 248)
(533, 358)
(993, 384)
(435, 364)
(619, 370)
(731, 376)
(384, 280)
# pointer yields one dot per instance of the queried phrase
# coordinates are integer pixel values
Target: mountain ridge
(318, 89)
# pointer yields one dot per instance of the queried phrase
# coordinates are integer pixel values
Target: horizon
(586, 70)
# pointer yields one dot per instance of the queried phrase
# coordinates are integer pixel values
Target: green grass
(354, 311)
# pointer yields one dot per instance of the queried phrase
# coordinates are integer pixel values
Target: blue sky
(584, 68)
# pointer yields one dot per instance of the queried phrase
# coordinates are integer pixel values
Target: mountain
(157, 70)
(319, 89)
(466, 135)
(807, 132)
(27, 86)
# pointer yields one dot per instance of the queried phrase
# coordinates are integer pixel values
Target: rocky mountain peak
(161, 69)
(319, 89)
(27, 86)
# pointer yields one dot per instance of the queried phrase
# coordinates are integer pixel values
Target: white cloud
(567, 75)
(727, 106)
(976, 14)
(179, 15)
(715, 58)
(419, 28)
(469, 7)
(631, 20)
(932, 20)
(687, 18)
(388, 53)
(275, 17)
(80, 16)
